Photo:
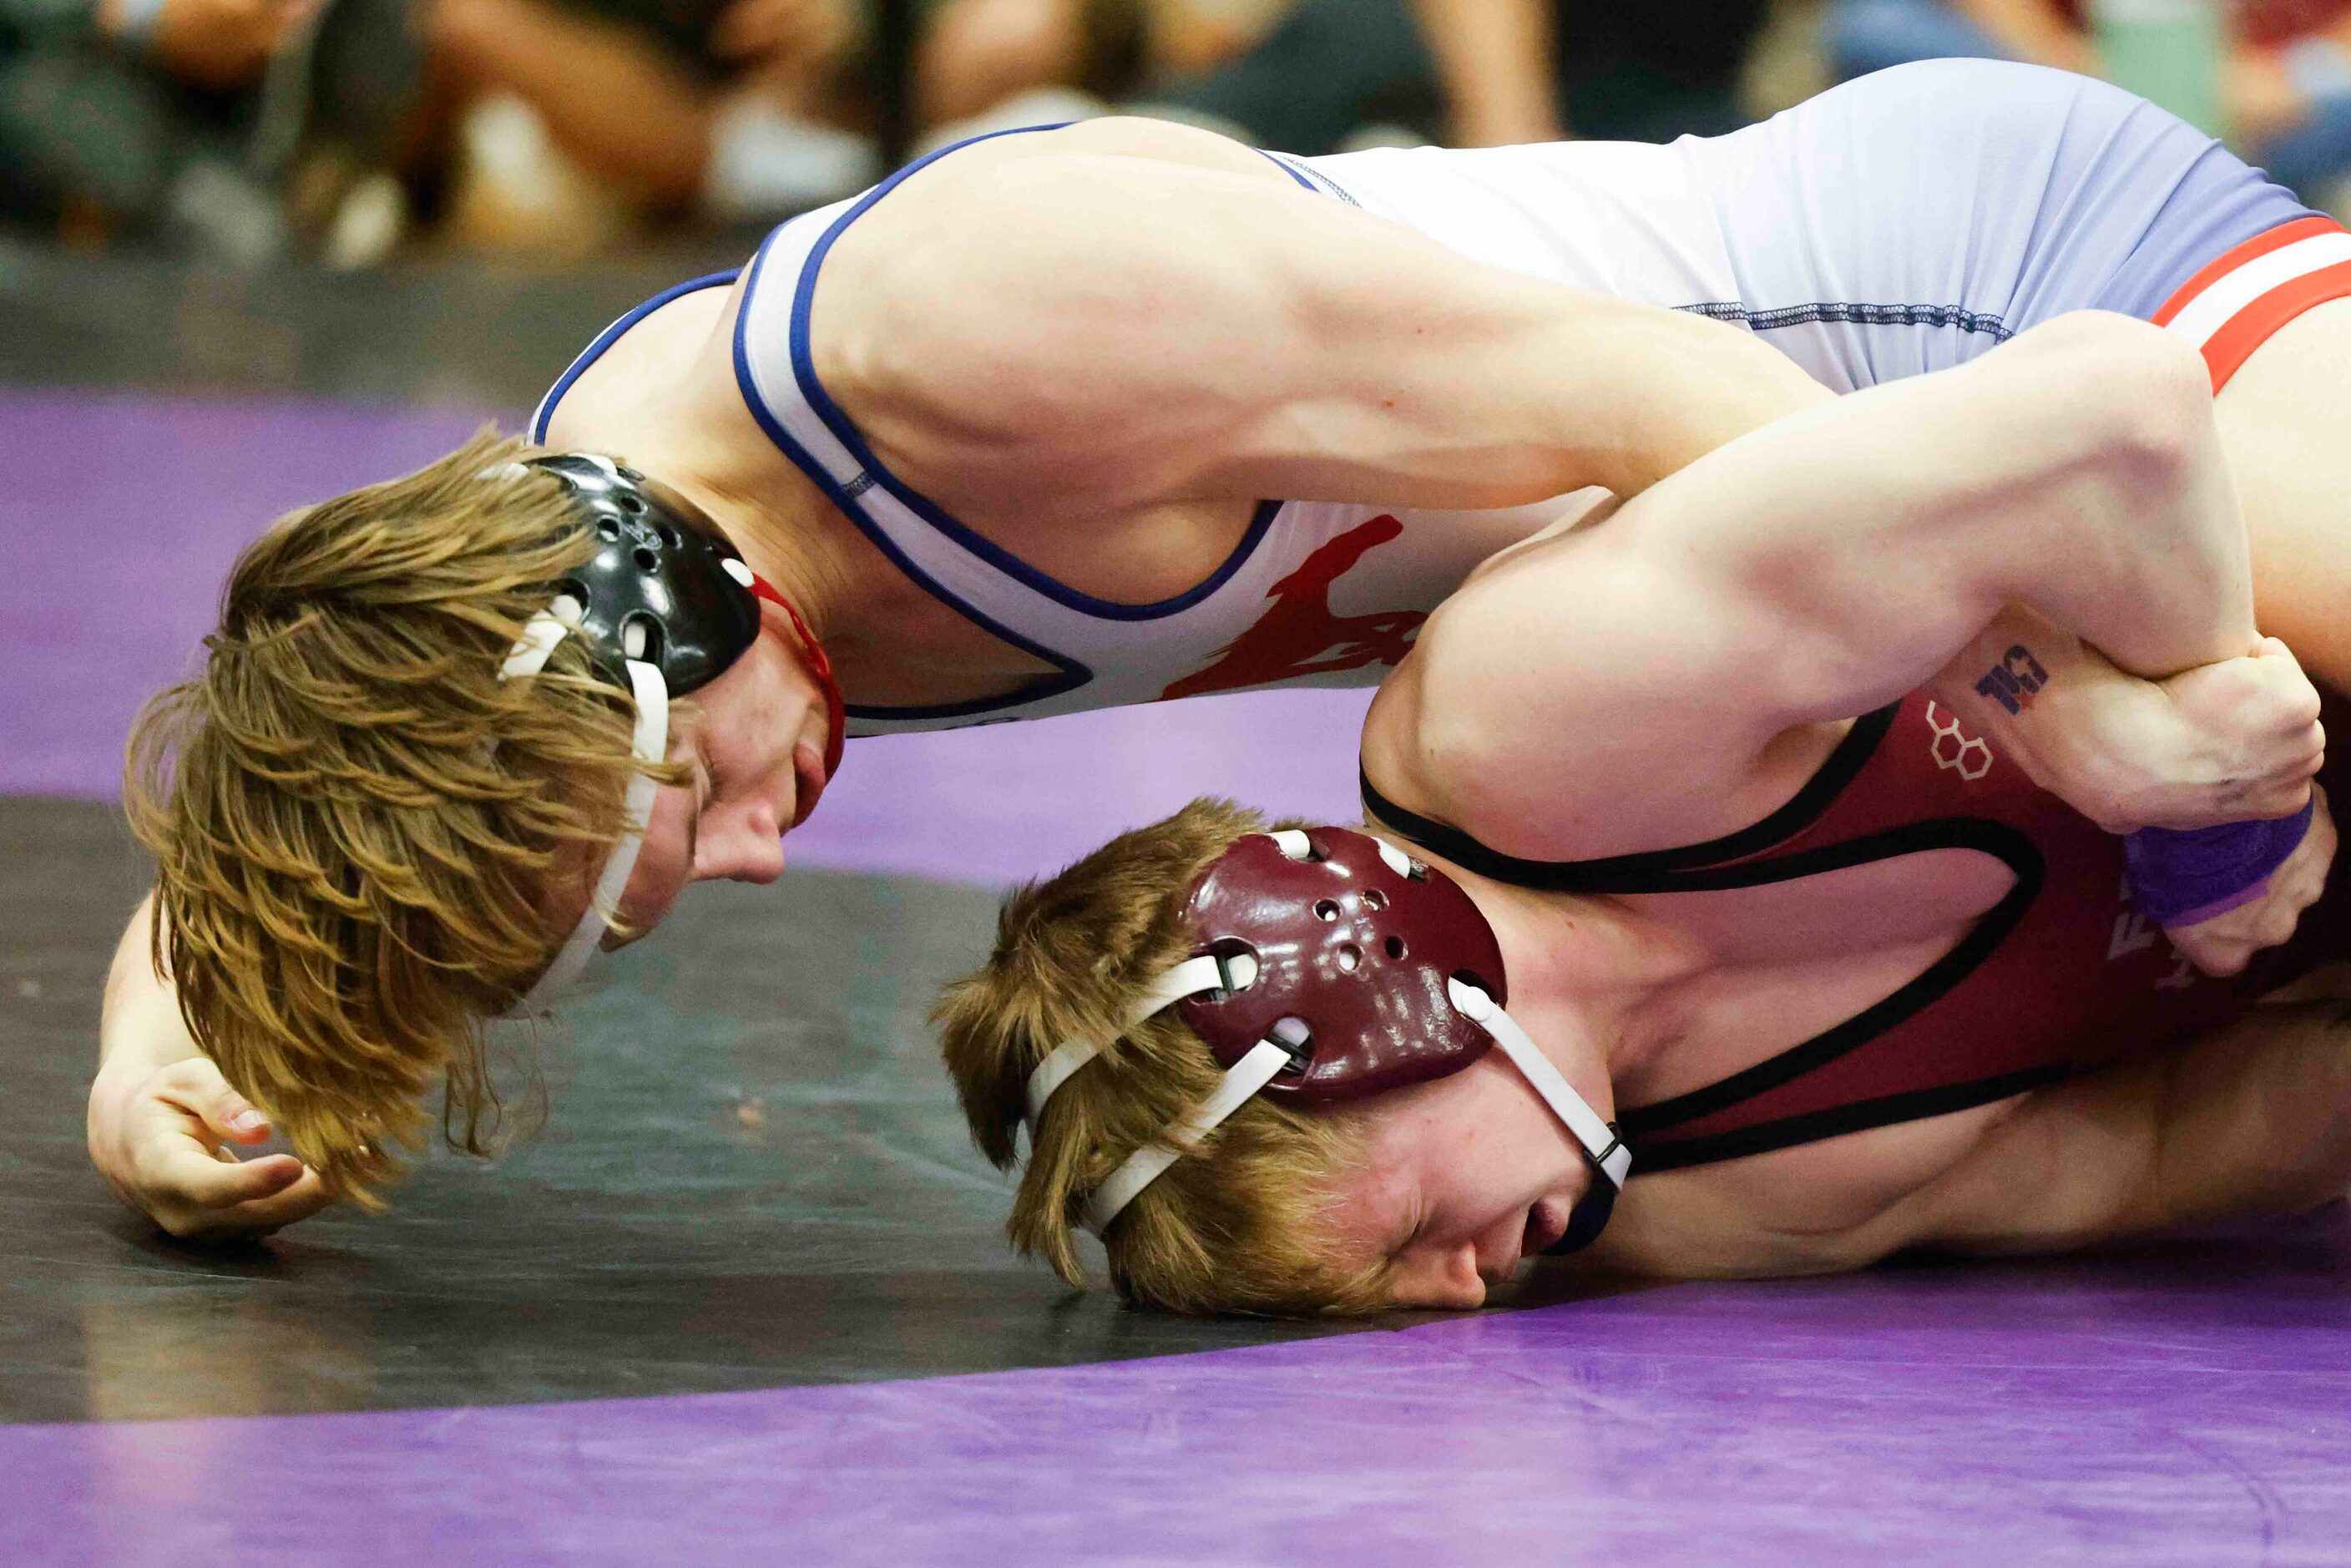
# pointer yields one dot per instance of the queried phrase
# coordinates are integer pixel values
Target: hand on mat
(2227, 742)
(2225, 943)
(163, 1143)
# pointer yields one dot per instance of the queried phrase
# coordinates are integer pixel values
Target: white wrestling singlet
(1900, 223)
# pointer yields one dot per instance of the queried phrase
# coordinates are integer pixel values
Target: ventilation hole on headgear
(625, 472)
(646, 561)
(1350, 958)
(1396, 947)
(668, 534)
(1374, 899)
(630, 503)
(1325, 910)
(607, 530)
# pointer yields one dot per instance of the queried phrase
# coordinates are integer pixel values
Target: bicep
(1168, 332)
(1753, 593)
(1842, 556)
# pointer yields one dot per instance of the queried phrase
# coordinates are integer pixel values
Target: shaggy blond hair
(357, 823)
(1238, 1225)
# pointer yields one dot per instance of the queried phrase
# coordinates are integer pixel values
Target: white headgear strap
(649, 744)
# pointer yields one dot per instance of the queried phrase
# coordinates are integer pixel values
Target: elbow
(2137, 399)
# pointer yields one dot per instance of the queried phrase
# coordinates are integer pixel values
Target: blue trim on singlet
(2212, 202)
(612, 335)
(1074, 673)
(1850, 312)
(1285, 165)
(963, 536)
(1313, 178)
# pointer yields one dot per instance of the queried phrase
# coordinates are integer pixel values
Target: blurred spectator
(2286, 87)
(1473, 72)
(732, 109)
(1487, 72)
(136, 115)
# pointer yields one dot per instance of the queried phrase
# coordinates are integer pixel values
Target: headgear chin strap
(1327, 966)
(666, 606)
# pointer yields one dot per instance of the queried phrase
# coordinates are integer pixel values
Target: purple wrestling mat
(102, 611)
(734, 1174)
(2191, 1407)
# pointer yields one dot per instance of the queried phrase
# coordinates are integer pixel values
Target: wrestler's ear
(1424, 1275)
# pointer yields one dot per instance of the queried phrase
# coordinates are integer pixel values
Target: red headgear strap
(820, 664)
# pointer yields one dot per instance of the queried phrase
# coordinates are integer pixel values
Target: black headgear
(663, 576)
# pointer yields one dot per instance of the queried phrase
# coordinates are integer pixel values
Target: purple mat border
(126, 510)
(2184, 1413)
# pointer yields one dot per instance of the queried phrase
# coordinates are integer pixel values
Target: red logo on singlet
(1300, 636)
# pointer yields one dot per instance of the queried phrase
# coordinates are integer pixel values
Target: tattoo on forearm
(2015, 681)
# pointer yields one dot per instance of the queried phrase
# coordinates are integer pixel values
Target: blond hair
(357, 823)
(1240, 1224)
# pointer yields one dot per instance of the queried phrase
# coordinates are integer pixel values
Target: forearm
(139, 1026)
(2048, 702)
(1494, 61)
(2255, 1118)
(2076, 471)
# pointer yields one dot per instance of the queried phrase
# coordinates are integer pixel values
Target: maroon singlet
(2061, 974)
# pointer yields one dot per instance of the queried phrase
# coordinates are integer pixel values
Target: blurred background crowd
(352, 131)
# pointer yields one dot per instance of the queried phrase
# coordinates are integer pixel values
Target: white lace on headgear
(1264, 1061)
(649, 744)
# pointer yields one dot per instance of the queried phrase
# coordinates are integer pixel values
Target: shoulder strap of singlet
(1645, 1126)
(1089, 641)
(1651, 871)
(612, 335)
(1742, 860)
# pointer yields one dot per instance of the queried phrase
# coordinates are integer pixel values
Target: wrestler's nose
(742, 843)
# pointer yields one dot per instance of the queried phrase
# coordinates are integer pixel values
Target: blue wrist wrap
(2174, 872)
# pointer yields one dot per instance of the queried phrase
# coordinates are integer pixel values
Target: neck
(788, 532)
(1580, 969)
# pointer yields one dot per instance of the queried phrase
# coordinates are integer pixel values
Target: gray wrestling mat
(752, 1175)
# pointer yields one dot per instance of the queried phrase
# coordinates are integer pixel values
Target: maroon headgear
(1352, 946)
(1327, 966)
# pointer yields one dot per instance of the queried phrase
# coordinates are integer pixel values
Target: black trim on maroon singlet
(1915, 1105)
(1651, 871)
(1698, 868)
(1939, 980)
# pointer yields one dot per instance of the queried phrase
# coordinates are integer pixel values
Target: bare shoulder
(1816, 1208)
(605, 405)
(1582, 696)
(1015, 187)
(1028, 299)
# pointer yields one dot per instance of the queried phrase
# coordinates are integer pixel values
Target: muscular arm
(1067, 335)
(2255, 1119)
(1814, 571)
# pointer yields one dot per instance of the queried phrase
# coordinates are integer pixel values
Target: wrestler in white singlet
(1902, 222)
